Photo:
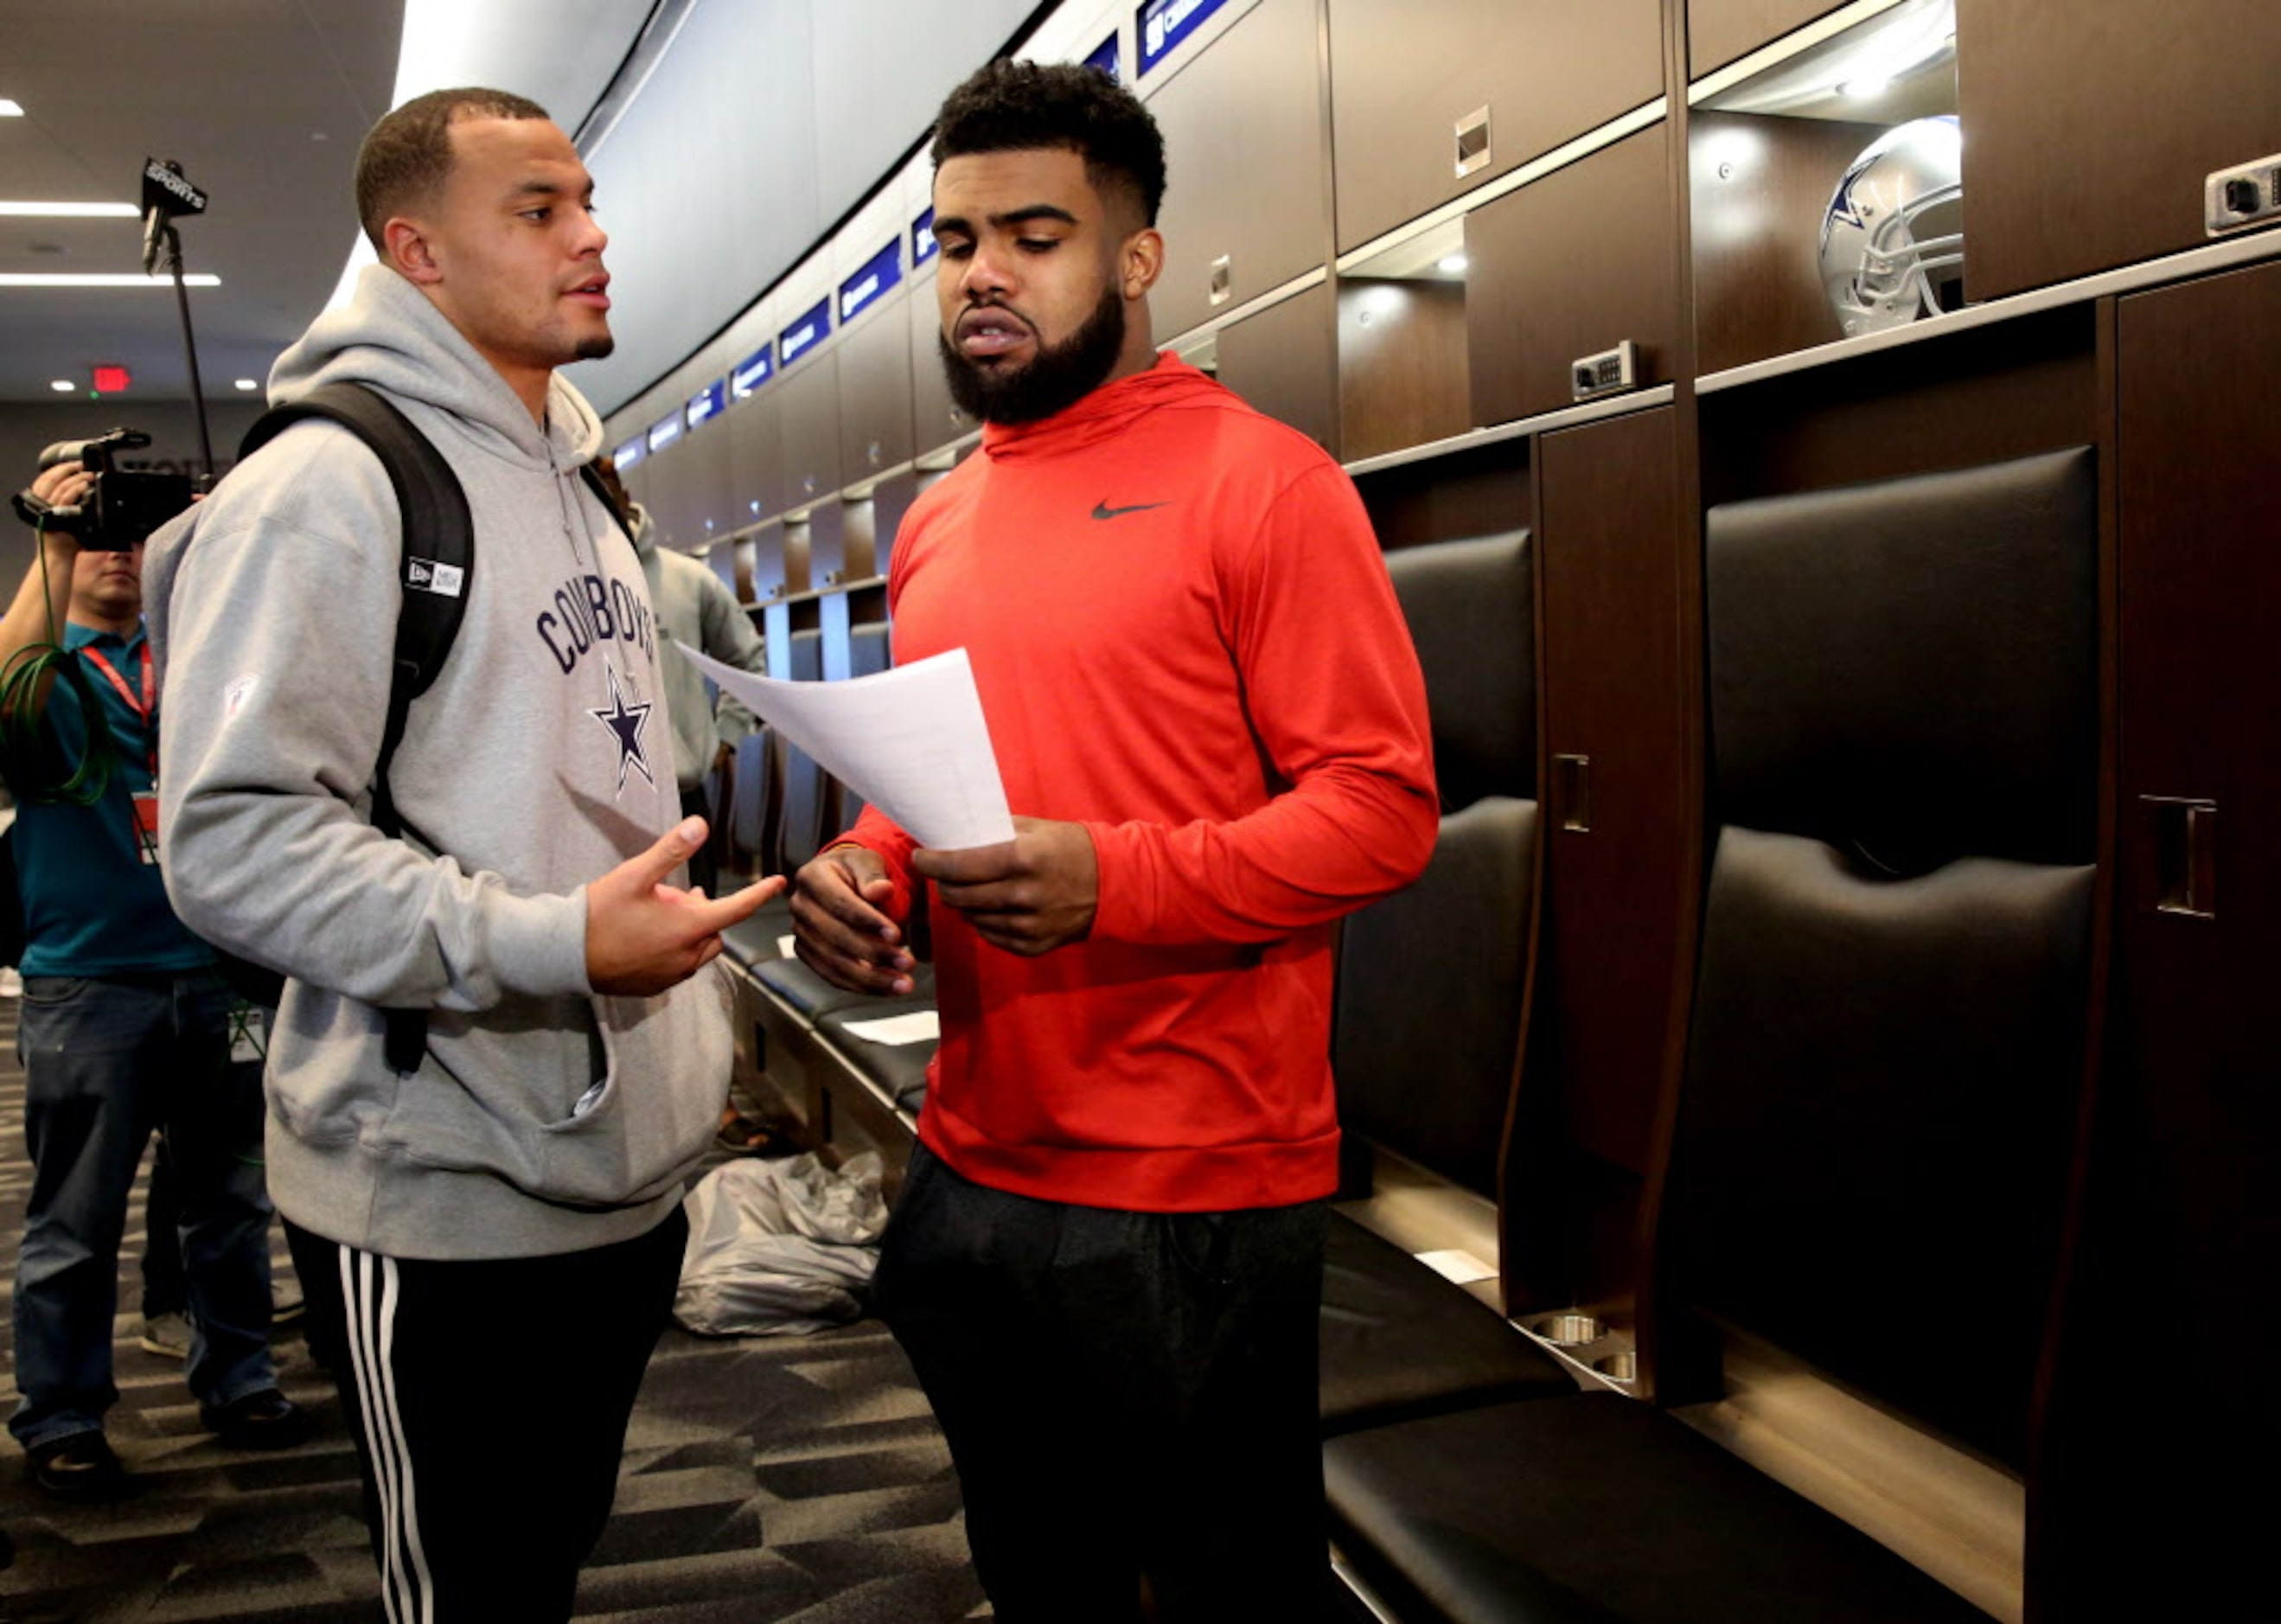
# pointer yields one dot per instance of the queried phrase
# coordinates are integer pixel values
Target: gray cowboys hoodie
(545, 1119)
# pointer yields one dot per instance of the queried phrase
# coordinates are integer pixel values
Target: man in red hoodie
(1106, 1264)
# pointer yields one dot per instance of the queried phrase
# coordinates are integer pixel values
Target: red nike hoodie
(1185, 639)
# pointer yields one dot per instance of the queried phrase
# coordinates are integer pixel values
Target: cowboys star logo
(627, 723)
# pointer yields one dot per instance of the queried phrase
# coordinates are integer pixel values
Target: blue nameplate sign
(705, 403)
(802, 335)
(1104, 57)
(755, 370)
(879, 273)
(1166, 23)
(633, 451)
(924, 247)
(664, 432)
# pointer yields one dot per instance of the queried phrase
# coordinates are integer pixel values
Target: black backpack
(438, 573)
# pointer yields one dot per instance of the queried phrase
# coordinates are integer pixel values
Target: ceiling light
(63, 386)
(1866, 90)
(99, 279)
(1450, 264)
(10, 110)
(72, 210)
(248, 383)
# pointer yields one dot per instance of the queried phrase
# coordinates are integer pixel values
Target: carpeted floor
(794, 1480)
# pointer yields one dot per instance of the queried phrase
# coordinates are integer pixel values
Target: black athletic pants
(489, 1403)
(1129, 1397)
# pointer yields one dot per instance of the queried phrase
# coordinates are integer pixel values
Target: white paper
(1457, 1265)
(911, 741)
(786, 945)
(919, 1026)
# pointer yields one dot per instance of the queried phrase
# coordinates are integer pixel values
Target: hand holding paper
(912, 741)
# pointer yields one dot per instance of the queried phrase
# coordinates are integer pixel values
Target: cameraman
(125, 1025)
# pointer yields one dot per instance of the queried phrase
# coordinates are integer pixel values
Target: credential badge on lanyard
(144, 705)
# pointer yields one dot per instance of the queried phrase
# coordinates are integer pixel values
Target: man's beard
(596, 348)
(1055, 378)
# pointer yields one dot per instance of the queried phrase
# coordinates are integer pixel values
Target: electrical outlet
(2247, 195)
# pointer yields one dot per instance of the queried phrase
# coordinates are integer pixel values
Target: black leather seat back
(1906, 669)
(869, 651)
(1472, 615)
(751, 781)
(801, 834)
(1430, 979)
(1889, 1021)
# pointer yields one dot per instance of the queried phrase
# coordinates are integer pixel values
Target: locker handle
(2181, 834)
(1473, 141)
(1572, 787)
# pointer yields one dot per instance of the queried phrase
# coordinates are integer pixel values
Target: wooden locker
(1243, 144)
(1404, 75)
(2090, 125)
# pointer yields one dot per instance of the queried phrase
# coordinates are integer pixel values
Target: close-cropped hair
(1011, 106)
(407, 159)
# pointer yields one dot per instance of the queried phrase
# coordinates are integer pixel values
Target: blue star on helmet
(627, 723)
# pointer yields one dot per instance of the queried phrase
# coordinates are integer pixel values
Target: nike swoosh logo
(1102, 510)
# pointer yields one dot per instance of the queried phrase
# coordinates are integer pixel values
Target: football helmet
(1893, 238)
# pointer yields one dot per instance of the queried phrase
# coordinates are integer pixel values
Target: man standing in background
(693, 606)
(125, 1027)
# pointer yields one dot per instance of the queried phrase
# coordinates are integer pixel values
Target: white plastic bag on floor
(780, 1248)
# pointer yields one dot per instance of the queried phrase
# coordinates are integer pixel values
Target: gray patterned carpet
(799, 1480)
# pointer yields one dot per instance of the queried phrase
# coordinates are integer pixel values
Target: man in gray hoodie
(693, 606)
(494, 1237)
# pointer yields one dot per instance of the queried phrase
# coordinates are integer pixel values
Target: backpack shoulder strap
(592, 475)
(436, 572)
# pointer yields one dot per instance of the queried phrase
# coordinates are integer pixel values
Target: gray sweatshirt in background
(545, 1119)
(695, 607)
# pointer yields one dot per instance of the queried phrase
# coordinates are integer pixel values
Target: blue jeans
(105, 1061)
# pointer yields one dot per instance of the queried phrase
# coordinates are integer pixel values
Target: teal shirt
(92, 907)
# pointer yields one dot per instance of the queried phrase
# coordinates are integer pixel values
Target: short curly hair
(408, 156)
(1010, 106)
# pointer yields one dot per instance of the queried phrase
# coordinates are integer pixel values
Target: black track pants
(489, 1403)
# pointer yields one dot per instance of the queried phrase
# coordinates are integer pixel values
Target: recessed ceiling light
(10, 110)
(72, 210)
(98, 279)
(1866, 90)
(63, 386)
(249, 383)
(1450, 264)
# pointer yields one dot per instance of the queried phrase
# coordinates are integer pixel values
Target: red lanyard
(141, 704)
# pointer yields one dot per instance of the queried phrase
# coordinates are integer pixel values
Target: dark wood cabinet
(1719, 31)
(756, 465)
(706, 505)
(809, 399)
(936, 420)
(1571, 266)
(2183, 1237)
(1619, 812)
(1283, 361)
(1243, 143)
(2090, 125)
(875, 392)
(1405, 73)
(665, 489)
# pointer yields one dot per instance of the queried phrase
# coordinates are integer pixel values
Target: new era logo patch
(425, 575)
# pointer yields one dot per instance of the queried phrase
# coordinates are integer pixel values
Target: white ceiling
(263, 103)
